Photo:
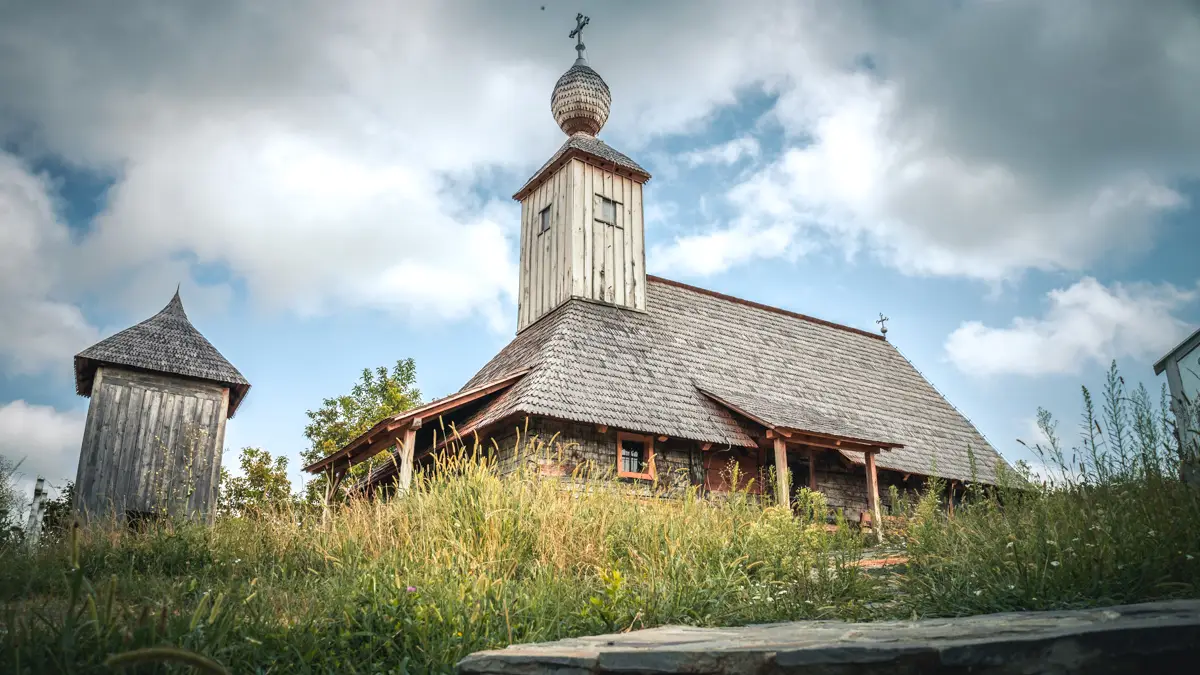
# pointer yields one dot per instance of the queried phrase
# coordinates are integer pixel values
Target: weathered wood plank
(782, 480)
(629, 269)
(638, 240)
(618, 268)
(578, 221)
(873, 496)
(589, 231)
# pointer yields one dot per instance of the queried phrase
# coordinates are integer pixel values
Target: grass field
(470, 561)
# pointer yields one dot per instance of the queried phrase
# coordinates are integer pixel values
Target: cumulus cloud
(1085, 324)
(334, 155)
(984, 139)
(729, 152)
(38, 327)
(45, 440)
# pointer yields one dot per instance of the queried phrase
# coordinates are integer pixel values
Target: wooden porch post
(782, 483)
(812, 469)
(873, 496)
(406, 460)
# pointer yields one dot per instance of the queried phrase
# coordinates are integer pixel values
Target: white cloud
(38, 329)
(45, 441)
(1084, 324)
(984, 140)
(729, 152)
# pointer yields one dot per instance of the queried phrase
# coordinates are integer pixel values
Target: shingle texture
(165, 343)
(647, 372)
(589, 145)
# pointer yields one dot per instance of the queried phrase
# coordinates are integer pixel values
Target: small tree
(378, 394)
(263, 485)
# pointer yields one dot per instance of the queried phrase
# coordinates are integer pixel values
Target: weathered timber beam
(873, 496)
(782, 482)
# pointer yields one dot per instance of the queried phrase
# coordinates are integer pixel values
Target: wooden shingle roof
(589, 148)
(165, 343)
(667, 371)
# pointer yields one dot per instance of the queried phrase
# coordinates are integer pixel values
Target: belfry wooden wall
(152, 445)
(581, 256)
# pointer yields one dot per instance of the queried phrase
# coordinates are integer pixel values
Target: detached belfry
(155, 428)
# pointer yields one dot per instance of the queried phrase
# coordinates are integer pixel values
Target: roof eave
(583, 155)
(393, 422)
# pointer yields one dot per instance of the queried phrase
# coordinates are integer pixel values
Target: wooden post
(782, 483)
(812, 469)
(36, 510)
(404, 482)
(873, 496)
(950, 506)
(331, 487)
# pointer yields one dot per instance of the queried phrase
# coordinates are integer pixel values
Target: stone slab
(1158, 637)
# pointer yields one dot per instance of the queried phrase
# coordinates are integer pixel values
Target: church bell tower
(582, 230)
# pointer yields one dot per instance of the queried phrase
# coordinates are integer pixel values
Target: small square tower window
(635, 456)
(544, 220)
(608, 211)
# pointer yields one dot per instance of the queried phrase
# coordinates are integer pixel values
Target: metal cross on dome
(580, 22)
(882, 323)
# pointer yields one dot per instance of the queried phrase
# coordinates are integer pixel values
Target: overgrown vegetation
(469, 560)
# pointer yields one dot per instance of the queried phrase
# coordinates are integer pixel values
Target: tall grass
(1105, 522)
(470, 560)
(466, 561)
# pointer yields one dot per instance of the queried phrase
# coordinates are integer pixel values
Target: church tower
(582, 230)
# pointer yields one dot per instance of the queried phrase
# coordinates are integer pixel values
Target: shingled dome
(581, 101)
(165, 343)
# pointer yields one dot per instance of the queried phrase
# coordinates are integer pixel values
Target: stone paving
(1161, 637)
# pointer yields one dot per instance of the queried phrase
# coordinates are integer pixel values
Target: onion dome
(581, 101)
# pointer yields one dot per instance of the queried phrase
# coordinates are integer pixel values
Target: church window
(608, 211)
(635, 456)
(544, 220)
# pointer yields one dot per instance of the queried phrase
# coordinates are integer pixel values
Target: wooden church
(666, 384)
(155, 426)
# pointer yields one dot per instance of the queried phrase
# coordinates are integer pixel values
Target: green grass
(470, 561)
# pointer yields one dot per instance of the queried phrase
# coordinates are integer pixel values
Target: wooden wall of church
(581, 255)
(151, 445)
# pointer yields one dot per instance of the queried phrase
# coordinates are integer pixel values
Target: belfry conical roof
(165, 343)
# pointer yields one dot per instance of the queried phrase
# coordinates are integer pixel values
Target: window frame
(648, 443)
(544, 223)
(599, 215)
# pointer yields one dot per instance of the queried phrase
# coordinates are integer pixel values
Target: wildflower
(1010, 587)
(1054, 563)
(1150, 533)
(1009, 545)
(412, 589)
(978, 593)
(1051, 543)
(1189, 556)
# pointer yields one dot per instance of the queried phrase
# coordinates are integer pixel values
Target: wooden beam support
(782, 482)
(873, 496)
(706, 446)
(662, 439)
(407, 446)
(602, 429)
(812, 469)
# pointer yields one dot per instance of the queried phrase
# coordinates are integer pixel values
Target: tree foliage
(263, 485)
(378, 394)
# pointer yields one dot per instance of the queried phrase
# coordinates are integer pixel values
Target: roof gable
(165, 343)
(648, 372)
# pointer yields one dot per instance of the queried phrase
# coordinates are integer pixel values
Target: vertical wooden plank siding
(782, 481)
(152, 445)
(580, 256)
(578, 218)
(630, 262)
(618, 230)
(873, 496)
(638, 263)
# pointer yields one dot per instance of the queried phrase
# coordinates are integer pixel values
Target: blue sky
(1013, 184)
